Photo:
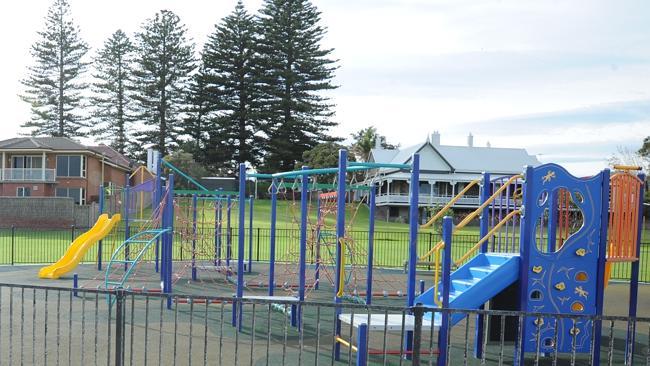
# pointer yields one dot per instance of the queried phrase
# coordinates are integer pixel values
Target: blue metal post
(484, 228)
(302, 261)
(443, 333)
(75, 284)
(340, 234)
(634, 274)
(274, 209)
(371, 243)
(194, 234)
(362, 345)
(229, 228)
(602, 258)
(414, 193)
(127, 226)
(101, 211)
(168, 242)
(526, 241)
(318, 259)
(250, 235)
(237, 306)
(157, 202)
(218, 232)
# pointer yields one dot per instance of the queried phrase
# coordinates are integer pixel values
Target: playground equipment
(76, 251)
(551, 235)
(529, 239)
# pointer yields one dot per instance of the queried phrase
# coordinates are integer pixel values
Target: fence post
(72, 233)
(258, 246)
(119, 327)
(418, 313)
(13, 243)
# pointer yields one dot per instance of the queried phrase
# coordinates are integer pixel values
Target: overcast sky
(567, 80)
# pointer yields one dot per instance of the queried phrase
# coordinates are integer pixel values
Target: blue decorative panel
(563, 281)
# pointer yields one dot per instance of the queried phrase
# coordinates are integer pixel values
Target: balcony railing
(27, 175)
(425, 199)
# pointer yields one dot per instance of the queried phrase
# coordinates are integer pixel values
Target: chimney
(435, 138)
(378, 142)
(470, 140)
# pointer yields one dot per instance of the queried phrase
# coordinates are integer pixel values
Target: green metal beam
(192, 180)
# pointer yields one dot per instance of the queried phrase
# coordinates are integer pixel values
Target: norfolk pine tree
(165, 61)
(112, 92)
(230, 62)
(53, 85)
(296, 70)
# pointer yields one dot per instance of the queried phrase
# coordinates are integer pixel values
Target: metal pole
(13, 243)
(443, 333)
(302, 261)
(217, 238)
(194, 234)
(157, 202)
(237, 306)
(414, 192)
(371, 241)
(119, 327)
(250, 235)
(274, 207)
(168, 240)
(127, 226)
(526, 227)
(318, 224)
(101, 211)
(484, 228)
(229, 230)
(340, 235)
(634, 275)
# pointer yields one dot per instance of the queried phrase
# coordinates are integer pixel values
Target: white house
(444, 171)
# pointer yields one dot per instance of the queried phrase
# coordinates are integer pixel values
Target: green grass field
(390, 242)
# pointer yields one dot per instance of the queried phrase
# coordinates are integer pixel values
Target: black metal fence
(29, 246)
(61, 326)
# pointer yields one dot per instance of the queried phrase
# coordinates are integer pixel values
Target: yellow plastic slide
(76, 251)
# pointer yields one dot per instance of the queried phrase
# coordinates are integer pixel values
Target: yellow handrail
(341, 290)
(477, 212)
(486, 237)
(443, 210)
(441, 245)
(436, 276)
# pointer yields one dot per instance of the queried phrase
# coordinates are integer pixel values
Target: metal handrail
(476, 212)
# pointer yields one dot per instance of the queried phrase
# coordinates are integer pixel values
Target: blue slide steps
(474, 283)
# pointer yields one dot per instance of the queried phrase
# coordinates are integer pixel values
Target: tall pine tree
(165, 61)
(296, 70)
(197, 122)
(230, 62)
(53, 84)
(112, 100)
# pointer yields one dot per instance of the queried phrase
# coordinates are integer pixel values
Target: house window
(77, 194)
(70, 166)
(26, 162)
(23, 192)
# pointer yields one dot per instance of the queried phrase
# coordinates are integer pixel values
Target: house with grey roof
(59, 167)
(444, 171)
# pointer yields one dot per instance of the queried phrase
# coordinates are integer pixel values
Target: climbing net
(203, 239)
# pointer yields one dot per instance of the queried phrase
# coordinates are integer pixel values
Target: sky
(567, 80)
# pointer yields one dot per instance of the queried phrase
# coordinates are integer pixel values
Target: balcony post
(4, 159)
(43, 166)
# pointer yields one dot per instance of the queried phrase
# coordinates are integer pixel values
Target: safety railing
(46, 325)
